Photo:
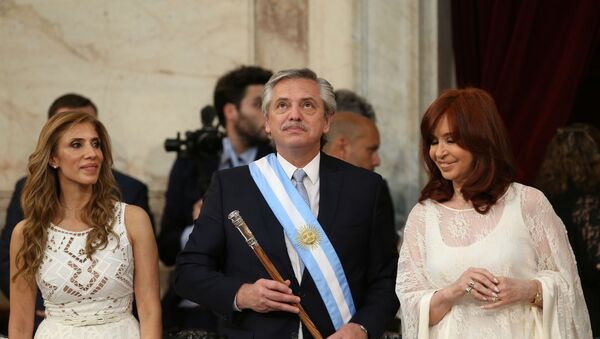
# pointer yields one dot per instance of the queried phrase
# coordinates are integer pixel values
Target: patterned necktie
(298, 178)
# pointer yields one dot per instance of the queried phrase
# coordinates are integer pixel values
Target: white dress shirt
(311, 181)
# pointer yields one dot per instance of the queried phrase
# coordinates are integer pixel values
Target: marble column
(281, 39)
(398, 60)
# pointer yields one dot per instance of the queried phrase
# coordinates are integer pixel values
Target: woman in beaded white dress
(483, 256)
(87, 252)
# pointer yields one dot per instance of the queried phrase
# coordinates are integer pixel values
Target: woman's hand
(513, 291)
(478, 282)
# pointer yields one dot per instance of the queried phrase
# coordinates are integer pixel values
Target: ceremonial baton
(240, 224)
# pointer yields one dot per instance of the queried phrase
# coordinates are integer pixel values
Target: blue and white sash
(307, 236)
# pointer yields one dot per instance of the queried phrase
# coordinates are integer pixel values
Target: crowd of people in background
(482, 255)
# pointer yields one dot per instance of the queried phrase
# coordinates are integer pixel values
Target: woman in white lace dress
(87, 252)
(483, 256)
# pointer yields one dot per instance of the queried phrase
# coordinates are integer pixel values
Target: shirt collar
(311, 169)
(246, 157)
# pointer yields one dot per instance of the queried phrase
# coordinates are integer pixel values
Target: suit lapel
(263, 149)
(330, 187)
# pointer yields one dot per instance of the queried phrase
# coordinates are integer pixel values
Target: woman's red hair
(477, 127)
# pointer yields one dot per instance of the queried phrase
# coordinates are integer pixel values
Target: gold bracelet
(538, 299)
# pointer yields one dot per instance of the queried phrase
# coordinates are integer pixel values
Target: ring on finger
(494, 297)
(471, 284)
(468, 290)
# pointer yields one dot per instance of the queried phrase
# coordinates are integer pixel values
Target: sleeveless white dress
(520, 237)
(87, 299)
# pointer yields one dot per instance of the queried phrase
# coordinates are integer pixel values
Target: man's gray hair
(348, 101)
(325, 88)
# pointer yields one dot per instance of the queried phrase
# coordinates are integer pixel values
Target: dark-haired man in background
(237, 100)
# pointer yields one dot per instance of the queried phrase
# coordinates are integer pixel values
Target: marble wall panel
(333, 40)
(281, 33)
(148, 66)
(398, 73)
(308, 33)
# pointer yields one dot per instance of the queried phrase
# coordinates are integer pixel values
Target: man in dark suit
(354, 138)
(237, 100)
(132, 190)
(337, 265)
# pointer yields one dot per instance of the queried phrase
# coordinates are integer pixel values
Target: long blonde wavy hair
(41, 194)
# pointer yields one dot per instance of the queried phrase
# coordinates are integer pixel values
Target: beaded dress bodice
(80, 291)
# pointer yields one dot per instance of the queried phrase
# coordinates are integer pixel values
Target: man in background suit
(132, 190)
(237, 101)
(218, 269)
(354, 138)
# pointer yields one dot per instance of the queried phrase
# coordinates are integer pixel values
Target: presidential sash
(307, 236)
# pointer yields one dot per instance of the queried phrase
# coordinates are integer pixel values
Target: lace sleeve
(412, 286)
(564, 310)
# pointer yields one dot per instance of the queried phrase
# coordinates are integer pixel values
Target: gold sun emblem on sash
(308, 236)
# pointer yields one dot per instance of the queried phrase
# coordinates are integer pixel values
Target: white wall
(150, 66)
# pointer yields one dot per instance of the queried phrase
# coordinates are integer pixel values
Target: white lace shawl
(564, 313)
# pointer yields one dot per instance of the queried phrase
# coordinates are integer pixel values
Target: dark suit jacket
(182, 193)
(133, 192)
(389, 214)
(216, 261)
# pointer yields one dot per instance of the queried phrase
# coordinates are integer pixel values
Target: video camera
(201, 143)
(202, 146)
